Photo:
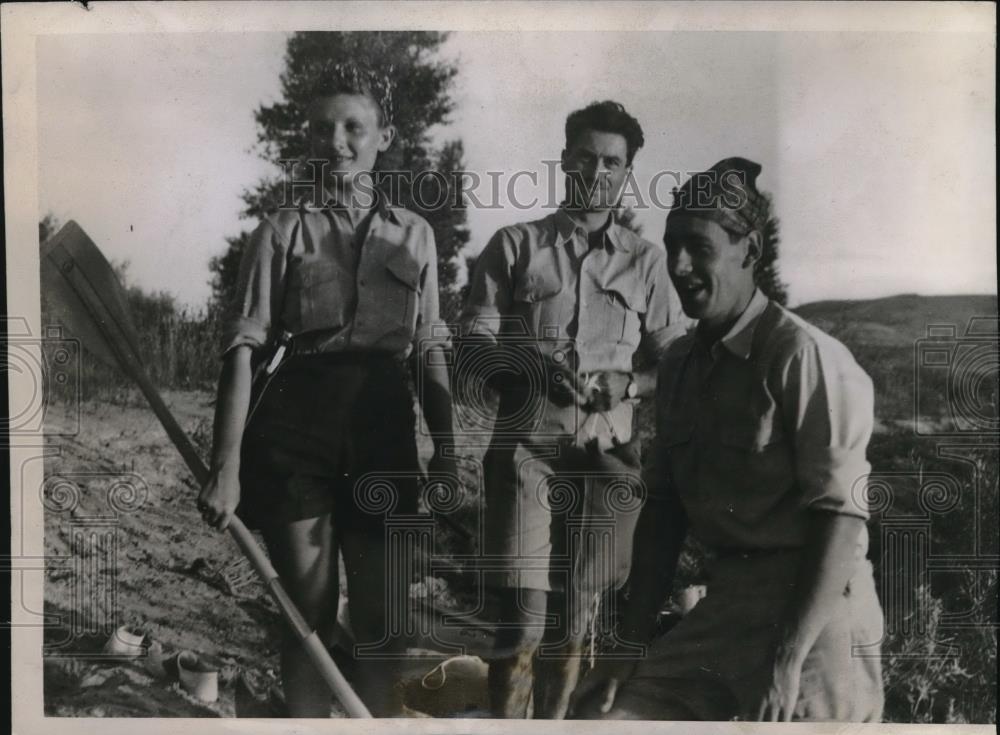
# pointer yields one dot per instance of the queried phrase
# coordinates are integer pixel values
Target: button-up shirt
(756, 430)
(542, 281)
(307, 271)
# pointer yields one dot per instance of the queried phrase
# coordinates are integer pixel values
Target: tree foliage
(767, 273)
(451, 230)
(176, 344)
(421, 97)
(48, 226)
(224, 269)
(422, 83)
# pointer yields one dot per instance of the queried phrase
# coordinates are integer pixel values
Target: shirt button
(363, 282)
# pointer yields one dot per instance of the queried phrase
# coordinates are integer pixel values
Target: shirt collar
(566, 227)
(382, 206)
(739, 338)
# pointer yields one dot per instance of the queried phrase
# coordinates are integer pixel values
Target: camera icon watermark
(955, 380)
(41, 369)
(515, 383)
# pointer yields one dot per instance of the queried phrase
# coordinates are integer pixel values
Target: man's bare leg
(556, 675)
(368, 598)
(509, 683)
(557, 668)
(510, 668)
(305, 555)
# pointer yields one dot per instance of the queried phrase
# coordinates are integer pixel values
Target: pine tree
(450, 225)
(224, 269)
(421, 99)
(767, 274)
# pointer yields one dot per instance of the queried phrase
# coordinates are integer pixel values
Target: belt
(735, 553)
(345, 358)
(554, 391)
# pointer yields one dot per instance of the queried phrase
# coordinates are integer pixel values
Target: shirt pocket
(624, 302)
(676, 440)
(536, 305)
(750, 435)
(755, 455)
(401, 292)
(317, 289)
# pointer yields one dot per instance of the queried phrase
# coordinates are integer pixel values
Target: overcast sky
(879, 148)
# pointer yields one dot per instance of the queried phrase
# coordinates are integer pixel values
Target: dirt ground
(127, 547)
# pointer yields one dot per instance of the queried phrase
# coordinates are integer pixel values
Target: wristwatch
(632, 389)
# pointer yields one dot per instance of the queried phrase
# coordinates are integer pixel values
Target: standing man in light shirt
(344, 286)
(762, 425)
(571, 298)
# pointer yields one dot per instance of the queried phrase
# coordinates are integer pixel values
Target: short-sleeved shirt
(753, 432)
(306, 271)
(542, 280)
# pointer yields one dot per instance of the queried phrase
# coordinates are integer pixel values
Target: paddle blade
(83, 291)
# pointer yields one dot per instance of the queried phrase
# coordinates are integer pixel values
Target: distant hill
(882, 335)
(895, 321)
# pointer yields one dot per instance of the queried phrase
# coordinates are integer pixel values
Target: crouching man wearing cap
(762, 425)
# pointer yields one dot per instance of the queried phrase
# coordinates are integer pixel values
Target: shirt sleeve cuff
(432, 335)
(837, 482)
(658, 341)
(243, 331)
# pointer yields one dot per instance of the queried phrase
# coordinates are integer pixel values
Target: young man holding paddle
(353, 280)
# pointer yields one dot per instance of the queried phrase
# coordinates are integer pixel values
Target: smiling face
(345, 130)
(596, 166)
(712, 274)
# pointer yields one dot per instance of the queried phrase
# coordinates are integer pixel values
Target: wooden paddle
(82, 288)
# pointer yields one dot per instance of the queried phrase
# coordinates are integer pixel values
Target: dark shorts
(332, 433)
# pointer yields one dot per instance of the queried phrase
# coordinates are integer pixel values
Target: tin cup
(689, 597)
(125, 641)
(199, 679)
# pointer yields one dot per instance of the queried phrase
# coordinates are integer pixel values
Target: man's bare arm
(435, 396)
(221, 493)
(828, 562)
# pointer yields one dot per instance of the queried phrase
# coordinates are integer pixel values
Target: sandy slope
(163, 571)
(159, 572)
